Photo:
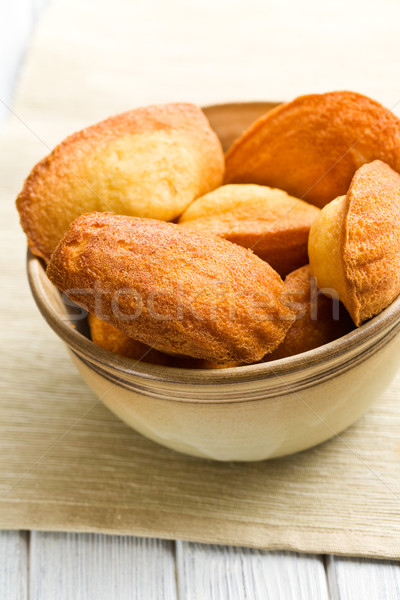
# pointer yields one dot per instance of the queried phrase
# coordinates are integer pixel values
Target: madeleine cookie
(319, 319)
(268, 221)
(149, 162)
(354, 244)
(312, 146)
(171, 288)
(112, 339)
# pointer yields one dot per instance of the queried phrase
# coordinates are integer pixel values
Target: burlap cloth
(67, 463)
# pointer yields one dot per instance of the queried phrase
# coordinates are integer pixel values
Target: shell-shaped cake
(354, 244)
(149, 162)
(311, 147)
(171, 288)
(268, 221)
(112, 339)
(320, 319)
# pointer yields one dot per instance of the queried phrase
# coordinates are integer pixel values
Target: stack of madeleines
(185, 257)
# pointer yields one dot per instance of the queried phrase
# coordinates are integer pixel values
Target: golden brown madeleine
(354, 245)
(312, 146)
(319, 319)
(172, 289)
(112, 339)
(268, 221)
(149, 162)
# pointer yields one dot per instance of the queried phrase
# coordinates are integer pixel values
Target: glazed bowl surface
(246, 413)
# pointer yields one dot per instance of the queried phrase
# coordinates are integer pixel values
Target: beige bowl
(244, 413)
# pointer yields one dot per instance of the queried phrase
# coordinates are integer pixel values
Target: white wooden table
(61, 566)
(66, 566)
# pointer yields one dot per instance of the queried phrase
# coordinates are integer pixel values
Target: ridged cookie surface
(354, 244)
(268, 221)
(112, 339)
(319, 319)
(311, 147)
(172, 289)
(149, 162)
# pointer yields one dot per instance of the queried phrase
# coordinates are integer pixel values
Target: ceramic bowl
(244, 413)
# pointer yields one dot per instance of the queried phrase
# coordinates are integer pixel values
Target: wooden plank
(13, 565)
(100, 567)
(208, 572)
(354, 578)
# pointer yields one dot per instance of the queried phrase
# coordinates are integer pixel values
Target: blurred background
(17, 21)
(123, 53)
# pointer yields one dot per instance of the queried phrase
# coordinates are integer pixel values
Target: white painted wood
(208, 572)
(67, 566)
(357, 578)
(13, 565)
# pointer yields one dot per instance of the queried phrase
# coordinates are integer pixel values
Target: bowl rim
(334, 353)
(340, 349)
